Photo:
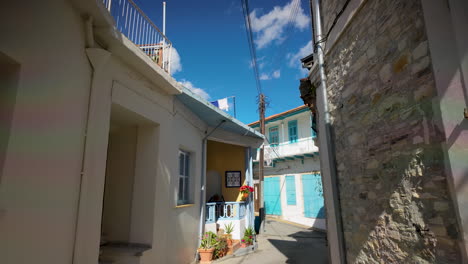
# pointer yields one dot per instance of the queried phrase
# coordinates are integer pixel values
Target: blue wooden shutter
(291, 190)
(313, 125)
(292, 128)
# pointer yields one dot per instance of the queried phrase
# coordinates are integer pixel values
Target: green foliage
(249, 235)
(209, 240)
(229, 228)
(249, 231)
(221, 248)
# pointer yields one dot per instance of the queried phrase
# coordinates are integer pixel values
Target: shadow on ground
(305, 246)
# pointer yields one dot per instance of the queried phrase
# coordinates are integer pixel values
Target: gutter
(201, 227)
(336, 249)
(97, 58)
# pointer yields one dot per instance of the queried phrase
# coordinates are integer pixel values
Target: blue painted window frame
(292, 131)
(313, 133)
(290, 189)
(273, 135)
(183, 193)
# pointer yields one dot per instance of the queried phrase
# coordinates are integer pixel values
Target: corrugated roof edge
(215, 109)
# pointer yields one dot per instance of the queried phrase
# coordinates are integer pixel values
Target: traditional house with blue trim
(104, 156)
(293, 184)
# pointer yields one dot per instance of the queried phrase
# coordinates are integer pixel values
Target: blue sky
(214, 58)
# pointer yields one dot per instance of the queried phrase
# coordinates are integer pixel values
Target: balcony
(224, 211)
(304, 147)
(131, 21)
(220, 214)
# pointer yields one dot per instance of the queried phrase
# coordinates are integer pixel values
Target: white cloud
(275, 75)
(198, 91)
(270, 27)
(264, 76)
(176, 65)
(260, 63)
(294, 58)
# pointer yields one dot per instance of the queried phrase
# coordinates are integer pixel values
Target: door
(272, 196)
(313, 196)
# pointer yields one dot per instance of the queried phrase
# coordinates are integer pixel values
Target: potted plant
(229, 228)
(249, 236)
(221, 248)
(246, 190)
(207, 246)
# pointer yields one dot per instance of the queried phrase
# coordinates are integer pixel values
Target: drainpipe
(201, 227)
(336, 247)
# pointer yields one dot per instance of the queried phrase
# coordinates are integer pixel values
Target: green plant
(247, 239)
(249, 231)
(249, 234)
(229, 228)
(220, 248)
(209, 240)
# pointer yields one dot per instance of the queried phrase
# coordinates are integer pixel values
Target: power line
(253, 54)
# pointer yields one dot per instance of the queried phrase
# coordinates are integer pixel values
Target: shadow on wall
(309, 245)
(393, 191)
(321, 213)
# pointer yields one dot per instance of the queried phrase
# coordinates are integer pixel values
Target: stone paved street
(286, 243)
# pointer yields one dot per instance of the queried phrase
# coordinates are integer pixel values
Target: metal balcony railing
(131, 21)
(225, 211)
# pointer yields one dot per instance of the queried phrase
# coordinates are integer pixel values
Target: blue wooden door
(272, 196)
(313, 196)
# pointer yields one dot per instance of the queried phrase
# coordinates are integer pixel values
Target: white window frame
(183, 194)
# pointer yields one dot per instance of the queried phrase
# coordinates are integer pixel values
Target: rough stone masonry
(393, 191)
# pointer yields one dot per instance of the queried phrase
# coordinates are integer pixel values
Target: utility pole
(261, 110)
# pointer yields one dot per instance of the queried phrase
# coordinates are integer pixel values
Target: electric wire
(253, 54)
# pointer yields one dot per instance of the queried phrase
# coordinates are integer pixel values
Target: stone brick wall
(392, 187)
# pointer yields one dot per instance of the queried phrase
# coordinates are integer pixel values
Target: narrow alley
(285, 242)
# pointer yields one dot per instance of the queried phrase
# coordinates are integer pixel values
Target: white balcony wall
(285, 148)
(302, 146)
(303, 123)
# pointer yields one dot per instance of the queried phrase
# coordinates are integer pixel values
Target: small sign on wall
(233, 179)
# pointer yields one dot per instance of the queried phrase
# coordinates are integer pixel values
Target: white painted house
(104, 157)
(293, 184)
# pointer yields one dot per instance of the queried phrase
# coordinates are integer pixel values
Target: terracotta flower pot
(206, 254)
(244, 245)
(229, 242)
(245, 195)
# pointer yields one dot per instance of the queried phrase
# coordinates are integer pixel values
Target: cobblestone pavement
(284, 242)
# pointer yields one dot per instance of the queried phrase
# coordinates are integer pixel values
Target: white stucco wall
(295, 213)
(40, 179)
(178, 128)
(446, 24)
(303, 123)
(53, 177)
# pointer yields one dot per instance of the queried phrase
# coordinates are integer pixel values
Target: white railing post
(169, 62)
(138, 28)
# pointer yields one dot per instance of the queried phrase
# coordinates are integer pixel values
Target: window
(274, 135)
(291, 190)
(313, 126)
(292, 128)
(184, 178)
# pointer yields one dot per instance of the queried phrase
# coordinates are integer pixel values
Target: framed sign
(233, 179)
